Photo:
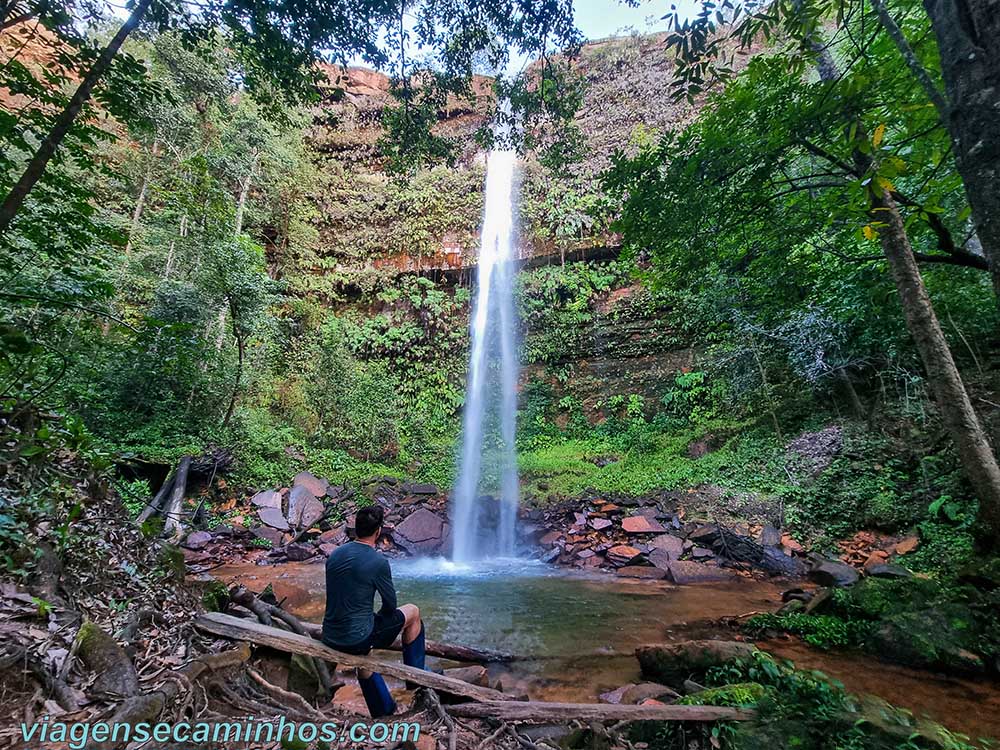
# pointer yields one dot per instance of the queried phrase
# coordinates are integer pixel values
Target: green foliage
(134, 494)
(822, 631)
(695, 398)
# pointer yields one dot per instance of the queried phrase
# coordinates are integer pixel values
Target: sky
(600, 18)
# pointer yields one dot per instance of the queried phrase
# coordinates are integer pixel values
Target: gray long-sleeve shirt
(354, 572)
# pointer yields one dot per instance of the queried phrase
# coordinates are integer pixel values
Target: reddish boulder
(299, 551)
(274, 536)
(642, 525)
(197, 539)
(622, 554)
(421, 532)
(671, 545)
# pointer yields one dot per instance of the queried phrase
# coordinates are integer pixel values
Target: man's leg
(414, 650)
(376, 692)
(412, 624)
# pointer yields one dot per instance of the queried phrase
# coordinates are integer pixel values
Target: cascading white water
(491, 392)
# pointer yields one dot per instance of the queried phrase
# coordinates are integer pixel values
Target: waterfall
(488, 460)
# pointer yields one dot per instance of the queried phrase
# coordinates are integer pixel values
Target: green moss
(738, 694)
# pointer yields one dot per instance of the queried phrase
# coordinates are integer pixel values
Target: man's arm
(386, 589)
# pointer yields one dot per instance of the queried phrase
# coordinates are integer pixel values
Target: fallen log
(153, 506)
(539, 711)
(247, 630)
(172, 512)
(441, 650)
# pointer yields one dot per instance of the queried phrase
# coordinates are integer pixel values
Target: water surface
(584, 627)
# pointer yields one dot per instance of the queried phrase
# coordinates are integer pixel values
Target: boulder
(551, 538)
(299, 551)
(684, 573)
(641, 571)
(672, 663)
(931, 639)
(622, 554)
(303, 508)
(272, 517)
(790, 546)
(315, 485)
(701, 553)
(668, 543)
(906, 545)
(418, 488)
(267, 499)
(642, 525)
(614, 697)
(599, 524)
(421, 532)
(637, 694)
(660, 558)
(336, 535)
(326, 548)
(274, 536)
(833, 573)
(197, 540)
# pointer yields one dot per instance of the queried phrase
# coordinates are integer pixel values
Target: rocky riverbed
(649, 537)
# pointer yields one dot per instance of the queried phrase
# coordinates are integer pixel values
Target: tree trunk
(47, 148)
(241, 203)
(240, 356)
(140, 201)
(959, 417)
(968, 36)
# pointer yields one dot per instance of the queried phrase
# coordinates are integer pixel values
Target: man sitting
(354, 572)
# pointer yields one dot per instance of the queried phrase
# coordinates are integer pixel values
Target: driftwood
(153, 506)
(538, 711)
(442, 650)
(173, 509)
(245, 630)
(265, 612)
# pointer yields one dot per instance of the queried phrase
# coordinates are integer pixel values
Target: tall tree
(968, 36)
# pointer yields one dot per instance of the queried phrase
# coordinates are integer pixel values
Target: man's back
(354, 572)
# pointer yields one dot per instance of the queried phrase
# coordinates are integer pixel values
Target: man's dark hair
(369, 520)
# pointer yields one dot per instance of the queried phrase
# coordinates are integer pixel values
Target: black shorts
(384, 633)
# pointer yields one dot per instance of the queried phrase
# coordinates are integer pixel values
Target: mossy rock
(896, 724)
(672, 663)
(876, 598)
(737, 694)
(940, 638)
